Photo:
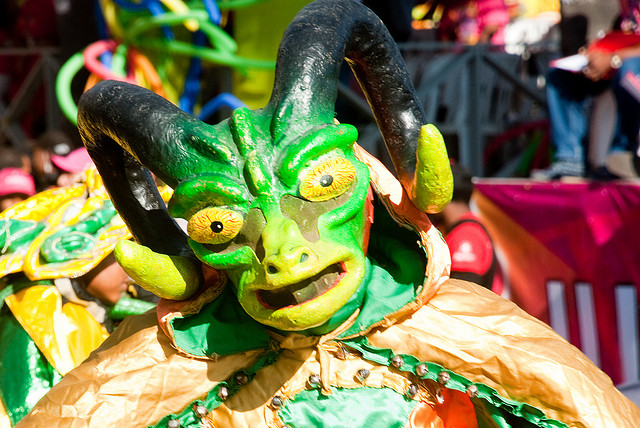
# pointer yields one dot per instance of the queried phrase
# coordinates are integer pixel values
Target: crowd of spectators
(53, 161)
(500, 22)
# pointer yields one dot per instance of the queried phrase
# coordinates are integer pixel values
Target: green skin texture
(341, 241)
(257, 174)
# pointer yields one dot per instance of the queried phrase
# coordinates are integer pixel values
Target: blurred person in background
(474, 21)
(71, 166)
(50, 143)
(15, 186)
(608, 62)
(472, 255)
(493, 17)
(11, 157)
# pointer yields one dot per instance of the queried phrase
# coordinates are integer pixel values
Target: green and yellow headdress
(62, 232)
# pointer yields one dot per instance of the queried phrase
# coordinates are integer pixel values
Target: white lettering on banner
(626, 301)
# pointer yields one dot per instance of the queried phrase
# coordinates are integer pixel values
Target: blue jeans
(570, 96)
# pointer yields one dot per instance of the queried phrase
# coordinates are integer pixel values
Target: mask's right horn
(322, 35)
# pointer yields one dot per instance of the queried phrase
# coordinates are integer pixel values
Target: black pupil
(326, 180)
(217, 226)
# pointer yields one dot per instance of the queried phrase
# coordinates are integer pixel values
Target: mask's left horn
(130, 132)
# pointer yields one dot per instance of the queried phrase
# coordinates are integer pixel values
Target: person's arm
(603, 63)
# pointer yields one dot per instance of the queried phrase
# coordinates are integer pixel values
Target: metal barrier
(473, 94)
(42, 73)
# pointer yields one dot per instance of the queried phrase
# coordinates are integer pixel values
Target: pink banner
(571, 257)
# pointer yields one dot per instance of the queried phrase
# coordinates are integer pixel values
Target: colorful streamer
(161, 45)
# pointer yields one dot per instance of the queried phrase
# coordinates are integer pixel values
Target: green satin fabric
(188, 419)
(17, 233)
(77, 239)
(25, 374)
(221, 328)
(362, 407)
(127, 306)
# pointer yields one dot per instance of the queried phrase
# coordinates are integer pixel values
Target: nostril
(272, 269)
(304, 257)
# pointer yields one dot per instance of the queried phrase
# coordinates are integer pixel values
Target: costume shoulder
(152, 381)
(490, 340)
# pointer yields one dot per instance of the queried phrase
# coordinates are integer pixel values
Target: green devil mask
(274, 197)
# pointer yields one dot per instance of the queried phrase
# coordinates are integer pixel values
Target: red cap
(15, 180)
(76, 161)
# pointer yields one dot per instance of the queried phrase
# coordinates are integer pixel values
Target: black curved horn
(322, 35)
(124, 127)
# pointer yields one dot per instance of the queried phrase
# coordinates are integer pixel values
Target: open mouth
(303, 291)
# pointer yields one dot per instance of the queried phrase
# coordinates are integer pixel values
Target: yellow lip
(300, 292)
(313, 312)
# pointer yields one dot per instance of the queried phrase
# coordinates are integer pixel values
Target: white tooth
(316, 288)
(307, 293)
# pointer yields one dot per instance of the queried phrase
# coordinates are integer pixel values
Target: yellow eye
(214, 225)
(328, 180)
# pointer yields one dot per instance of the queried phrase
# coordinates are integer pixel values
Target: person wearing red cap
(15, 186)
(71, 165)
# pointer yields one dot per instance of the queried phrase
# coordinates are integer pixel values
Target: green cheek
(347, 224)
(242, 258)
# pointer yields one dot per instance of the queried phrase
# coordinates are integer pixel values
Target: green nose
(287, 253)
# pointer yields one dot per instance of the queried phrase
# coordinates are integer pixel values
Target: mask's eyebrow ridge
(209, 189)
(312, 146)
(244, 130)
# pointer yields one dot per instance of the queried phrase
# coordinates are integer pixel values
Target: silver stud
(397, 361)
(200, 411)
(362, 374)
(472, 391)
(277, 401)
(412, 390)
(173, 423)
(314, 380)
(241, 378)
(223, 393)
(443, 378)
(342, 352)
(421, 370)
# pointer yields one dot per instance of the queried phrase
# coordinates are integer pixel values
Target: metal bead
(342, 352)
(397, 361)
(241, 378)
(362, 374)
(443, 377)
(314, 380)
(223, 393)
(173, 423)
(200, 411)
(412, 390)
(472, 391)
(421, 370)
(277, 401)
